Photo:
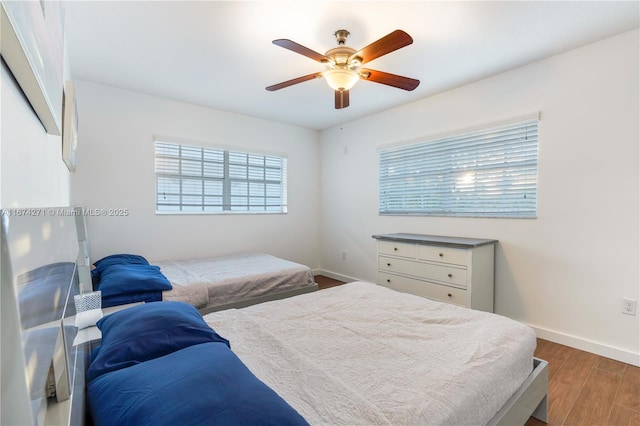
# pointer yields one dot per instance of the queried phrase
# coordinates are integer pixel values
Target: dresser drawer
(397, 249)
(429, 271)
(400, 266)
(442, 254)
(434, 291)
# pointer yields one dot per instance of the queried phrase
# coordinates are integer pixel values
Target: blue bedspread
(203, 384)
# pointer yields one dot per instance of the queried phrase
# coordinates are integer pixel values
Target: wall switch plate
(629, 306)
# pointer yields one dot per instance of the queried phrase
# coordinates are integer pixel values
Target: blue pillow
(95, 278)
(119, 259)
(119, 279)
(143, 332)
(203, 384)
(126, 298)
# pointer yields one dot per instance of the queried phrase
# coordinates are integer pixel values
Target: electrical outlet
(344, 255)
(629, 306)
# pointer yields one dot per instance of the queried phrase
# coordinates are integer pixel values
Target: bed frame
(260, 277)
(260, 299)
(529, 400)
(84, 268)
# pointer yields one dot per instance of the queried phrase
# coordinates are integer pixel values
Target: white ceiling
(219, 53)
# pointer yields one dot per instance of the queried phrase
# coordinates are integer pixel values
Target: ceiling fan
(344, 64)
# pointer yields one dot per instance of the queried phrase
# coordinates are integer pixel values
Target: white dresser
(449, 269)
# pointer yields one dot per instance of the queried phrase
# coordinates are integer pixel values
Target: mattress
(364, 354)
(227, 279)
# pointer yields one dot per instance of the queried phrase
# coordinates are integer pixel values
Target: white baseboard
(335, 276)
(622, 355)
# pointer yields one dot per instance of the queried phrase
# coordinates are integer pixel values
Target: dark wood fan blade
(342, 99)
(298, 48)
(386, 44)
(294, 81)
(381, 77)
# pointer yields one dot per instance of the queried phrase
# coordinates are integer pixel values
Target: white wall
(116, 170)
(566, 272)
(32, 173)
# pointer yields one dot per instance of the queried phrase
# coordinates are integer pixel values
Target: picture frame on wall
(69, 127)
(32, 46)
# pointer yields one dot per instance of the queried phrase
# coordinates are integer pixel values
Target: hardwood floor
(588, 389)
(326, 282)
(584, 389)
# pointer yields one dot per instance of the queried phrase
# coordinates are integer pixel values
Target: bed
(234, 281)
(364, 354)
(353, 354)
(209, 284)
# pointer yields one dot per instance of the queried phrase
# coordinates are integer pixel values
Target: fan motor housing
(341, 36)
(340, 57)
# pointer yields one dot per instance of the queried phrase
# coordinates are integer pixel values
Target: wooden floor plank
(576, 368)
(595, 401)
(534, 422)
(541, 346)
(326, 282)
(621, 416)
(561, 399)
(611, 365)
(556, 355)
(629, 394)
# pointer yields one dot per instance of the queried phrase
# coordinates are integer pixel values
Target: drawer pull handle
(395, 248)
(388, 281)
(440, 254)
(388, 264)
(450, 275)
(449, 295)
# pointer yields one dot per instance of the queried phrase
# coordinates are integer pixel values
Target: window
(192, 179)
(490, 172)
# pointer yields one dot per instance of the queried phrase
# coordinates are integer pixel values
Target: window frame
(225, 180)
(428, 192)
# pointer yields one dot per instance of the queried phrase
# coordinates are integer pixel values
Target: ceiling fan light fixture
(341, 79)
(344, 64)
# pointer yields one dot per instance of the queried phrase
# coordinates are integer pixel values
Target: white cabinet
(449, 269)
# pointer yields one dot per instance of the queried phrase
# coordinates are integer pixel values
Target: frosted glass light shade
(340, 79)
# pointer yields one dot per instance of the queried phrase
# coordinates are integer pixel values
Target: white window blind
(196, 179)
(490, 172)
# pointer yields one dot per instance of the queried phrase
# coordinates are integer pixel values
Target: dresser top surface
(435, 240)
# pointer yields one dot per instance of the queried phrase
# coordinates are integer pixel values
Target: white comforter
(361, 354)
(226, 279)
